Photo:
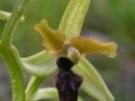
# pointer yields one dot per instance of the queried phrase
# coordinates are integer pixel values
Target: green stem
(8, 52)
(13, 21)
(6, 16)
(33, 87)
(14, 73)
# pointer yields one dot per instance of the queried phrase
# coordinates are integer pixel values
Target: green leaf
(48, 94)
(93, 84)
(41, 64)
(73, 18)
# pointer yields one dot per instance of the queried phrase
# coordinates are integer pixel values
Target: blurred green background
(106, 19)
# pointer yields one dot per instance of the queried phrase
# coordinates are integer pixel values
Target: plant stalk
(13, 21)
(32, 87)
(15, 74)
(8, 53)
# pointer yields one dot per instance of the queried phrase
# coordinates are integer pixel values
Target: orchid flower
(76, 48)
(66, 41)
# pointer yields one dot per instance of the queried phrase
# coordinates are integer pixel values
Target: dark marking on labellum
(67, 82)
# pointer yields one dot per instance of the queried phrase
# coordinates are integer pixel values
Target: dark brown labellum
(66, 81)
